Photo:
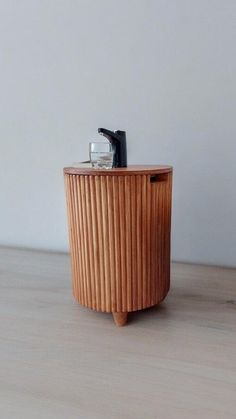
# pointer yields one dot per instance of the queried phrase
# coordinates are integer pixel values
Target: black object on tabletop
(118, 141)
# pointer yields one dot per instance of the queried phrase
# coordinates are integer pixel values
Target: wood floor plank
(60, 360)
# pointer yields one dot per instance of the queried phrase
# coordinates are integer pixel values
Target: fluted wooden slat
(128, 241)
(148, 240)
(138, 302)
(133, 240)
(106, 247)
(100, 254)
(70, 223)
(119, 231)
(83, 240)
(75, 232)
(153, 246)
(122, 251)
(111, 244)
(94, 238)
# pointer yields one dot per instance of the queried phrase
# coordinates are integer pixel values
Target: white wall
(165, 71)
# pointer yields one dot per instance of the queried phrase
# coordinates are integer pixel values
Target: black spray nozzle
(110, 135)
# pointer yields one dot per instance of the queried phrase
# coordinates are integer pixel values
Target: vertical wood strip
(70, 224)
(139, 240)
(82, 243)
(77, 255)
(128, 241)
(153, 241)
(96, 256)
(89, 232)
(160, 241)
(105, 234)
(111, 244)
(134, 241)
(122, 216)
(144, 240)
(117, 244)
(148, 242)
(75, 236)
(101, 240)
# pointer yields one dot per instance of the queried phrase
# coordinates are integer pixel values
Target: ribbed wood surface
(119, 228)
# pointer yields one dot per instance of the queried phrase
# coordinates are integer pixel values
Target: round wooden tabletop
(85, 169)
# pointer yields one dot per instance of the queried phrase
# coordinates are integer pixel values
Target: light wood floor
(60, 360)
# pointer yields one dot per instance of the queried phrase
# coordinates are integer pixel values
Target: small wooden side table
(119, 231)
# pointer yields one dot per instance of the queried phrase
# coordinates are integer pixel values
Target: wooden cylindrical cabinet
(119, 230)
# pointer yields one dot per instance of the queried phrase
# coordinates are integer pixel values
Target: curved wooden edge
(120, 319)
(118, 171)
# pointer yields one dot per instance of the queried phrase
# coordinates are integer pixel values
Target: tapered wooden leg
(120, 319)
